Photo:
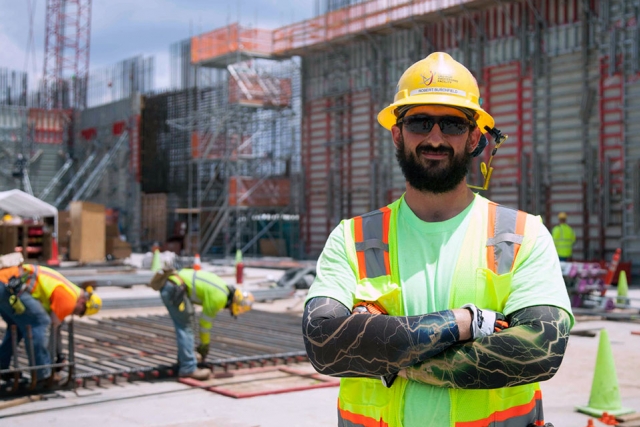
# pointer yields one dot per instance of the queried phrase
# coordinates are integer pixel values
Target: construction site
(264, 141)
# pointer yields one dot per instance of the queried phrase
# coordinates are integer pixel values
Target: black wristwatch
(387, 380)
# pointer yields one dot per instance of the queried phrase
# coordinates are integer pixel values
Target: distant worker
(564, 238)
(179, 290)
(442, 308)
(39, 296)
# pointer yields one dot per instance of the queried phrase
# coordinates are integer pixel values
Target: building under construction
(558, 77)
(270, 136)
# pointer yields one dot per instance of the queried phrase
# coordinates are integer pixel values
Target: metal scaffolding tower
(242, 128)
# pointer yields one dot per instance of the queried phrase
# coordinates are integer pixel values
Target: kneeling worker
(38, 296)
(179, 290)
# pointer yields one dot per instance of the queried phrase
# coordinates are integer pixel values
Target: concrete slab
(171, 404)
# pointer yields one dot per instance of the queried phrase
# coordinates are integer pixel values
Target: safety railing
(354, 19)
(230, 40)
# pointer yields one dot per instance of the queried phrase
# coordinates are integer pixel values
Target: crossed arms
(428, 348)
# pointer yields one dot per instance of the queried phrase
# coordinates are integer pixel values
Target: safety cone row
(605, 394)
(197, 265)
(156, 264)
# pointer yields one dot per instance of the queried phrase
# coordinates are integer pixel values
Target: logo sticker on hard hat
(447, 79)
(427, 80)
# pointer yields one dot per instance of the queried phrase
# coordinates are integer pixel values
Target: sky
(121, 29)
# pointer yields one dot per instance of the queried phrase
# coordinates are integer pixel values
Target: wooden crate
(88, 237)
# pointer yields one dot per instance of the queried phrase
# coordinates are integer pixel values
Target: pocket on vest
(382, 291)
(492, 290)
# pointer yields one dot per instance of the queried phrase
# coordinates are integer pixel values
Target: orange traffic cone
(196, 262)
(54, 261)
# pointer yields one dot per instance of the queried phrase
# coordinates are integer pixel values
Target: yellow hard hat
(241, 302)
(441, 80)
(562, 215)
(93, 304)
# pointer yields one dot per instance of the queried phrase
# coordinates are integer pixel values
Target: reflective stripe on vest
(349, 419)
(372, 243)
(517, 416)
(33, 280)
(505, 235)
(505, 232)
(193, 295)
(40, 272)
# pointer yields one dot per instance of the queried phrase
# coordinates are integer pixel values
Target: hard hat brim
(387, 118)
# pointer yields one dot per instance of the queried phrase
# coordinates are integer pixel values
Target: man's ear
(474, 139)
(396, 134)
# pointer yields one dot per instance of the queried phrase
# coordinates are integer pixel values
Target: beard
(432, 177)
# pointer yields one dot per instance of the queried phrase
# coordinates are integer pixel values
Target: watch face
(387, 380)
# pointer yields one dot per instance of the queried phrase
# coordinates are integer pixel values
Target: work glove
(485, 322)
(203, 351)
(60, 358)
(368, 307)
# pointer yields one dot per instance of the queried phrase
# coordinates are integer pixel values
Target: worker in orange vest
(37, 296)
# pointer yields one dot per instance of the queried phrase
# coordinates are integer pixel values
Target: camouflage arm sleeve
(530, 350)
(344, 345)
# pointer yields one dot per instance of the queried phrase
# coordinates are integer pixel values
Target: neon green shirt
(427, 253)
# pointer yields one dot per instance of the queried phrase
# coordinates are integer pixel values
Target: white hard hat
(14, 259)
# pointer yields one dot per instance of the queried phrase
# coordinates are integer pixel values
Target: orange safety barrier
(354, 19)
(231, 39)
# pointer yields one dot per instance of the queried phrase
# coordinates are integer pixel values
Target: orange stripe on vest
(361, 420)
(501, 416)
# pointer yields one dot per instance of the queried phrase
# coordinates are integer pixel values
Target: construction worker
(179, 290)
(37, 296)
(411, 302)
(563, 238)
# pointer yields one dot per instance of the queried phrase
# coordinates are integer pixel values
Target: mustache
(435, 150)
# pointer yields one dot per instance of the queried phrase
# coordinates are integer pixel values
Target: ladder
(90, 185)
(56, 178)
(71, 185)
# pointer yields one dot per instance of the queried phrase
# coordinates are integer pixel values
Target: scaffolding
(559, 77)
(235, 171)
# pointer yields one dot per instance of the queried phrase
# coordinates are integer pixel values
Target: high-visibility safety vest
(207, 290)
(563, 239)
(497, 241)
(43, 281)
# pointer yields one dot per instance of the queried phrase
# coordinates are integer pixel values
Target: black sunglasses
(423, 123)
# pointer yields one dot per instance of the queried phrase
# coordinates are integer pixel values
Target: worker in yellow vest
(408, 300)
(40, 297)
(181, 289)
(563, 238)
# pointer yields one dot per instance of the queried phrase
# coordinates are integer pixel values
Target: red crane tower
(66, 58)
